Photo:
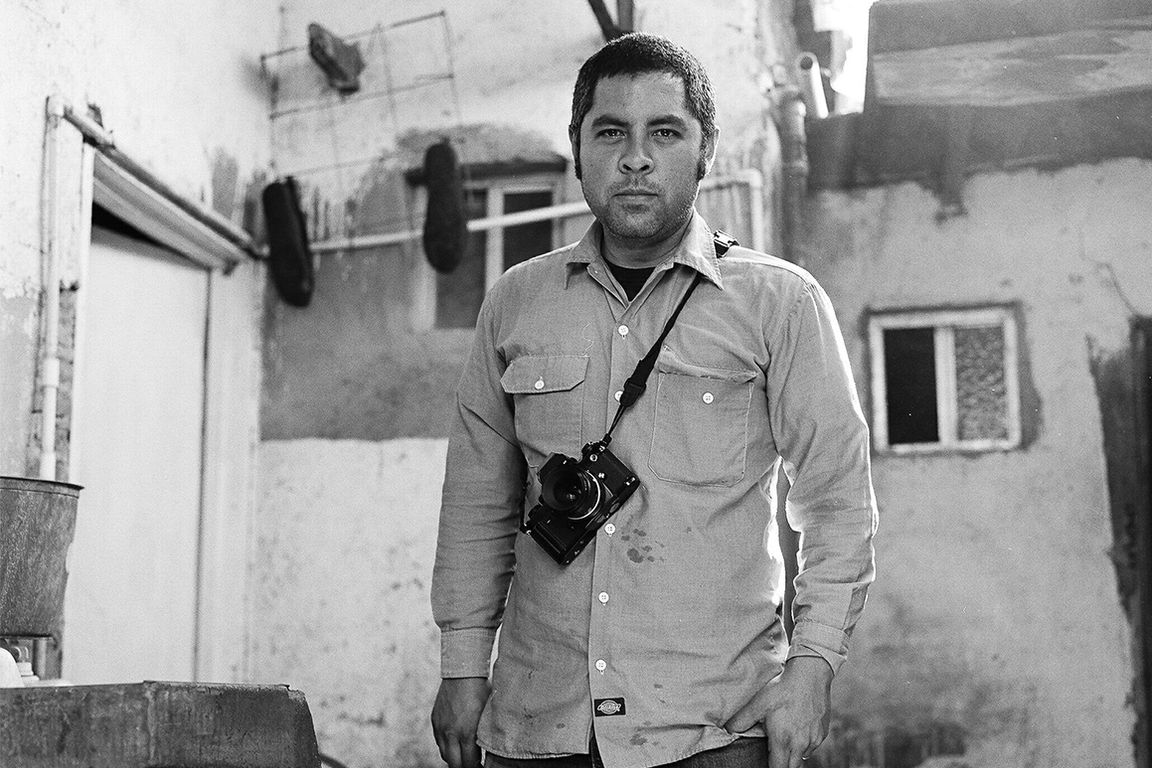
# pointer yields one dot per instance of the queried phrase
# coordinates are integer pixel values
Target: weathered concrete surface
(996, 611)
(350, 366)
(910, 24)
(154, 723)
(1107, 59)
(18, 324)
(344, 542)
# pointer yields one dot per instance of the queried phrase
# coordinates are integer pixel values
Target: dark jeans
(742, 753)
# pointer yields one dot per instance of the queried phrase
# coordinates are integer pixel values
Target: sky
(852, 17)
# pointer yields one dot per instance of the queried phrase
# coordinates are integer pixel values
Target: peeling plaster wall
(356, 390)
(996, 613)
(342, 591)
(179, 85)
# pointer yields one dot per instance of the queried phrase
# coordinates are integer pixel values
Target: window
(945, 380)
(459, 293)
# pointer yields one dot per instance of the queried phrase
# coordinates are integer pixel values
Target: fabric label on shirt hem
(610, 707)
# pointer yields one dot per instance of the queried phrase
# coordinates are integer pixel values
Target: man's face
(640, 155)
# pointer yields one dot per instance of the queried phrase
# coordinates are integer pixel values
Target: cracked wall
(997, 610)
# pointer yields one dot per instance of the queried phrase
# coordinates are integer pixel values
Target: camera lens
(571, 491)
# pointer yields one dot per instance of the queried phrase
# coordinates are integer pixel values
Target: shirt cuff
(812, 639)
(466, 652)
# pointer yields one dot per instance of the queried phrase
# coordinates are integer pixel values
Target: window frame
(944, 324)
(497, 189)
(426, 298)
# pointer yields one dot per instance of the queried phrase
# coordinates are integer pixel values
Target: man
(662, 641)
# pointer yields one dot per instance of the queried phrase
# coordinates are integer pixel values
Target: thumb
(747, 716)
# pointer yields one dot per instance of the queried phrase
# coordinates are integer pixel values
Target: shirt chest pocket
(548, 401)
(700, 435)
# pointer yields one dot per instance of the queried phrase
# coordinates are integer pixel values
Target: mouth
(635, 193)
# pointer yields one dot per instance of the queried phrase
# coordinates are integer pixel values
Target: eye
(666, 133)
(609, 133)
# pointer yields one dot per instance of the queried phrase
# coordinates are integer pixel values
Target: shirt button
(602, 597)
(539, 384)
(610, 529)
(618, 395)
(601, 665)
(707, 398)
(622, 330)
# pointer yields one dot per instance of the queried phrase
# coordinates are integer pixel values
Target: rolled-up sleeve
(480, 510)
(822, 436)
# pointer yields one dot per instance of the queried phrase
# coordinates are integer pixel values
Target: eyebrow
(609, 120)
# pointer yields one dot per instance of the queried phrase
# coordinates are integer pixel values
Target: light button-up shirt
(669, 621)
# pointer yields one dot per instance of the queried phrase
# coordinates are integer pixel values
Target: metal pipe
(50, 289)
(79, 335)
(812, 85)
(608, 27)
(562, 211)
(795, 154)
(625, 13)
(750, 177)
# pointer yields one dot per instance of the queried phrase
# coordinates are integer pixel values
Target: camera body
(576, 497)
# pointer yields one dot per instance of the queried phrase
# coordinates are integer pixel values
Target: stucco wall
(357, 370)
(996, 617)
(344, 547)
(178, 83)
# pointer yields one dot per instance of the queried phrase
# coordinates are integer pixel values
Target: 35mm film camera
(576, 498)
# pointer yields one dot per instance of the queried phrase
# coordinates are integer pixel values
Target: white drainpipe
(750, 177)
(50, 238)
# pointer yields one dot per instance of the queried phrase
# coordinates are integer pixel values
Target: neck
(638, 253)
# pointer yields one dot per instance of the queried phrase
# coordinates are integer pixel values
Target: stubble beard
(649, 226)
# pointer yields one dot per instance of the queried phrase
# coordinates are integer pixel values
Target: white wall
(179, 85)
(345, 541)
(996, 606)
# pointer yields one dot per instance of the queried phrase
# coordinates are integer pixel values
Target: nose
(636, 157)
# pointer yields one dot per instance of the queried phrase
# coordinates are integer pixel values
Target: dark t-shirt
(631, 279)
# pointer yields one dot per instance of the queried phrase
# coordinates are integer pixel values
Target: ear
(707, 156)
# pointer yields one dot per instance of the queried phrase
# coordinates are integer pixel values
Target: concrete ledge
(151, 724)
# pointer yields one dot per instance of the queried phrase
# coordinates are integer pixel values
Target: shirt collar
(696, 251)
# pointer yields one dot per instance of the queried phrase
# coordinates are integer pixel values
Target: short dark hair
(639, 53)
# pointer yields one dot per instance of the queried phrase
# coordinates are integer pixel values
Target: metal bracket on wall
(388, 91)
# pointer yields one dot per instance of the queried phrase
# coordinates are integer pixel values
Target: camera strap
(638, 381)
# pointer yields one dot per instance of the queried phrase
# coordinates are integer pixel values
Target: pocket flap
(668, 362)
(537, 374)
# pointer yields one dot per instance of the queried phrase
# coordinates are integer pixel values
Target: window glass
(460, 293)
(527, 240)
(910, 366)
